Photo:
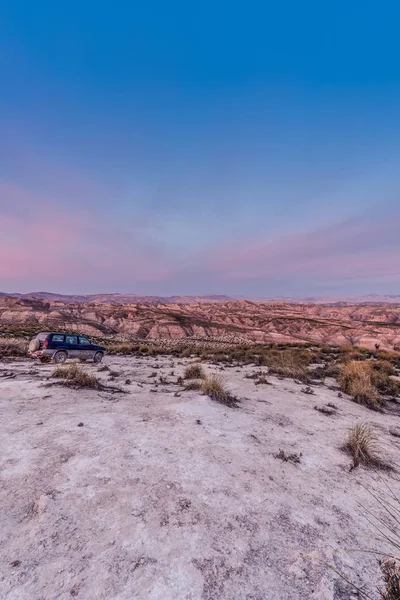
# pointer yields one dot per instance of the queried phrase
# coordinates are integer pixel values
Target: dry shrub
(13, 346)
(392, 356)
(186, 353)
(383, 366)
(356, 380)
(384, 383)
(349, 353)
(144, 348)
(363, 445)
(215, 388)
(194, 371)
(73, 376)
(262, 380)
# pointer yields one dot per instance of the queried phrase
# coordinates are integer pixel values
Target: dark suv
(60, 346)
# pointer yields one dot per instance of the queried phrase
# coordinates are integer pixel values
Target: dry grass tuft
(363, 445)
(215, 388)
(73, 376)
(356, 380)
(194, 371)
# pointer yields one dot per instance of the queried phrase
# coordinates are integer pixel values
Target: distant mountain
(117, 298)
(339, 300)
(120, 298)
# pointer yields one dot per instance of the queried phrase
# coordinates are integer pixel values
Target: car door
(86, 350)
(72, 346)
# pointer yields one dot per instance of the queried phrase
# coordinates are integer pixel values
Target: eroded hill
(234, 321)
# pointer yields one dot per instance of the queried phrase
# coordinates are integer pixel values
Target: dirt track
(165, 497)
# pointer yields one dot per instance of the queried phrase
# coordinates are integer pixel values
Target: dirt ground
(164, 494)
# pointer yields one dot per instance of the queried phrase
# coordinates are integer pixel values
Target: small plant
(308, 390)
(74, 376)
(194, 371)
(362, 444)
(103, 368)
(214, 387)
(325, 410)
(293, 457)
(262, 380)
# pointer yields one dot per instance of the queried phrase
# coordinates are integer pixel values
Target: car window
(84, 341)
(71, 339)
(57, 338)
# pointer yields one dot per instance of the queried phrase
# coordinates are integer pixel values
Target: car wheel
(60, 357)
(98, 357)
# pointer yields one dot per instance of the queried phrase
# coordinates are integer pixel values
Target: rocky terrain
(145, 488)
(223, 322)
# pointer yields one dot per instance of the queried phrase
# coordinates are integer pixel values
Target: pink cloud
(48, 240)
(361, 247)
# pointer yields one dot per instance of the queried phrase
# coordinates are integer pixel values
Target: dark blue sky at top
(200, 128)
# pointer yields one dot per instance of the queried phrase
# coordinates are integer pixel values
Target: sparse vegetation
(74, 376)
(363, 445)
(194, 371)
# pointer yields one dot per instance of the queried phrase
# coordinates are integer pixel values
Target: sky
(246, 148)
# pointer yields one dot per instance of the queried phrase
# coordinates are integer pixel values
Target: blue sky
(249, 148)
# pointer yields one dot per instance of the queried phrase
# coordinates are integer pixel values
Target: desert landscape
(256, 472)
(199, 301)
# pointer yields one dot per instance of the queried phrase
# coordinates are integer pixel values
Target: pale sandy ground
(145, 502)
